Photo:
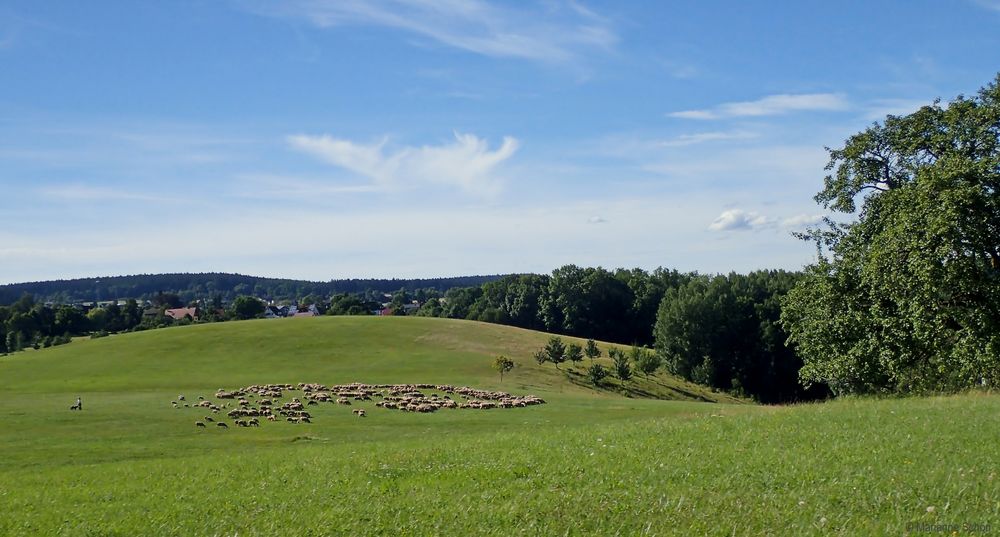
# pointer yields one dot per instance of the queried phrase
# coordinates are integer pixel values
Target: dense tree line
(725, 332)
(617, 305)
(190, 287)
(28, 324)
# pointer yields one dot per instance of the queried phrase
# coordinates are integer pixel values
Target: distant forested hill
(206, 285)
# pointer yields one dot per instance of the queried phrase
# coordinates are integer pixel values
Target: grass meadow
(656, 457)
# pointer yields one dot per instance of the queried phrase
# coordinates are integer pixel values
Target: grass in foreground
(844, 468)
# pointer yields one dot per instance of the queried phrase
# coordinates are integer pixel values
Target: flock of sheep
(244, 406)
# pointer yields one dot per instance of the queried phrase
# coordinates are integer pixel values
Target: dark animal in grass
(199, 424)
(208, 418)
(222, 424)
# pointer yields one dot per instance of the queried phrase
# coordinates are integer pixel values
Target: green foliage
(502, 365)
(430, 308)
(592, 350)
(458, 302)
(646, 362)
(555, 351)
(724, 332)
(540, 356)
(906, 297)
(13, 341)
(247, 307)
(620, 364)
(596, 374)
(574, 353)
(350, 304)
(181, 289)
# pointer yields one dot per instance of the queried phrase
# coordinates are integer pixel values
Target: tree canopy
(905, 296)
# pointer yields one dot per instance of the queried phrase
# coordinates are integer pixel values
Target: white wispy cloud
(554, 32)
(702, 137)
(768, 106)
(988, 4)
(800, 221)
(263, 186)
(738, 219)
(466, 163)
(84, 193)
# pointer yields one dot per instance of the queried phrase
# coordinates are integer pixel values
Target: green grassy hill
(610, 461)
(324, 349)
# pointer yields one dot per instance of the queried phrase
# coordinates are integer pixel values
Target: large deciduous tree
(906, 295)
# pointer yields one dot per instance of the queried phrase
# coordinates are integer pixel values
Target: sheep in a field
(343, 401)
(361, 413)
(180, 397)
(208, 418)
(222, 424)
(253, 422)
(199, 424)
(271, 417)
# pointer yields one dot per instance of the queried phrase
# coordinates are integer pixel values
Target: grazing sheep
(253, 422)
(208, 418)
(361, 412)
(180, 397)
(222, 424)
(199, 424)
(270, 417)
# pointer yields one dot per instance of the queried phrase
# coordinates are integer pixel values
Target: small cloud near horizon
(740, 220)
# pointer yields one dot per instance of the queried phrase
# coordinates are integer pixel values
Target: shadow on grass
(631, 390)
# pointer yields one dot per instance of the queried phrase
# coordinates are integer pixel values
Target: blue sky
(412, 138)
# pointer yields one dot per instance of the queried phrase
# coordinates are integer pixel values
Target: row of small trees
(623, 364)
